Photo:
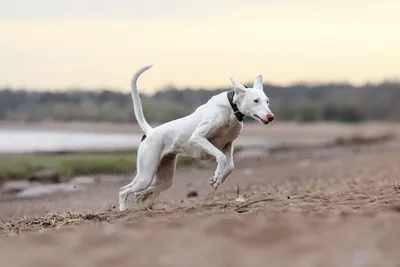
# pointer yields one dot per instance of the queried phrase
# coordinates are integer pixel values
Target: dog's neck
(239, 115)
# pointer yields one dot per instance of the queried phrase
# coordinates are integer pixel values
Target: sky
(55, 44)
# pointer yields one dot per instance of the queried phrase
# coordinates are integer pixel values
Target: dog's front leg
(212, 150)
(199, 139)
(229, 167)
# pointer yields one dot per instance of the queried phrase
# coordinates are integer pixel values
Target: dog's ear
(258, 83)
(239, 89)
(237, 86)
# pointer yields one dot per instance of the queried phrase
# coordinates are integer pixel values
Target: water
(20, 141)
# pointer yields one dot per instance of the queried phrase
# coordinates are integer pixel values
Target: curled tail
(137, 104)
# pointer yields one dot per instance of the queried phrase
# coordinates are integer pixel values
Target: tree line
(301, 102)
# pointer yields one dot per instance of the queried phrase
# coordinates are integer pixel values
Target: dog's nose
(270, 117)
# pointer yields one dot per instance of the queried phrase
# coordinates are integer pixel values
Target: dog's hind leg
(147, 165)
(161, 182)
(123, 193)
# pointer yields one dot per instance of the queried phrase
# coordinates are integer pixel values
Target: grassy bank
(69, 164)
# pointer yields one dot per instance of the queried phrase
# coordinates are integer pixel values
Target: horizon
(56, 46)
(171, 87)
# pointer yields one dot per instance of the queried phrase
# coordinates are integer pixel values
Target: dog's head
(253, 101)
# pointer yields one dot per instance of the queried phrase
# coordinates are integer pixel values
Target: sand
(318, 207)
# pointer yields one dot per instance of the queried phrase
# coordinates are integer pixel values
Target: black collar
(239, 115)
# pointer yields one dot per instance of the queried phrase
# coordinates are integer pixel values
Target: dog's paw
(215, 186)
(217, 177)
(215, 182)
(211, 180)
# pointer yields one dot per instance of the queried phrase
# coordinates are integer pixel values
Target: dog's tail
(137, 104)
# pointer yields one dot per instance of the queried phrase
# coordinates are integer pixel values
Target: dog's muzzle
(264, 121)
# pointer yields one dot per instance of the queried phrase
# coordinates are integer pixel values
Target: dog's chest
(224, 134)
(218, 138)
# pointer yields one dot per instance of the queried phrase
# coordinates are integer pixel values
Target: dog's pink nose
(270, 117)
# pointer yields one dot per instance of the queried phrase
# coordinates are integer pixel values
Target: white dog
(209, 132)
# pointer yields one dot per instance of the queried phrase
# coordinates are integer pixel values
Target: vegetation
(302, 102)
(20, 105)
(341, 102)
(70, 164)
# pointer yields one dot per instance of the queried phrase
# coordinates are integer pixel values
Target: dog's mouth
(261, 120)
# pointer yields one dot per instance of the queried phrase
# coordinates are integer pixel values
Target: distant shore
(278, 130)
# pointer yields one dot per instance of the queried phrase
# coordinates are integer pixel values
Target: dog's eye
(255, 100)
(267, 102)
